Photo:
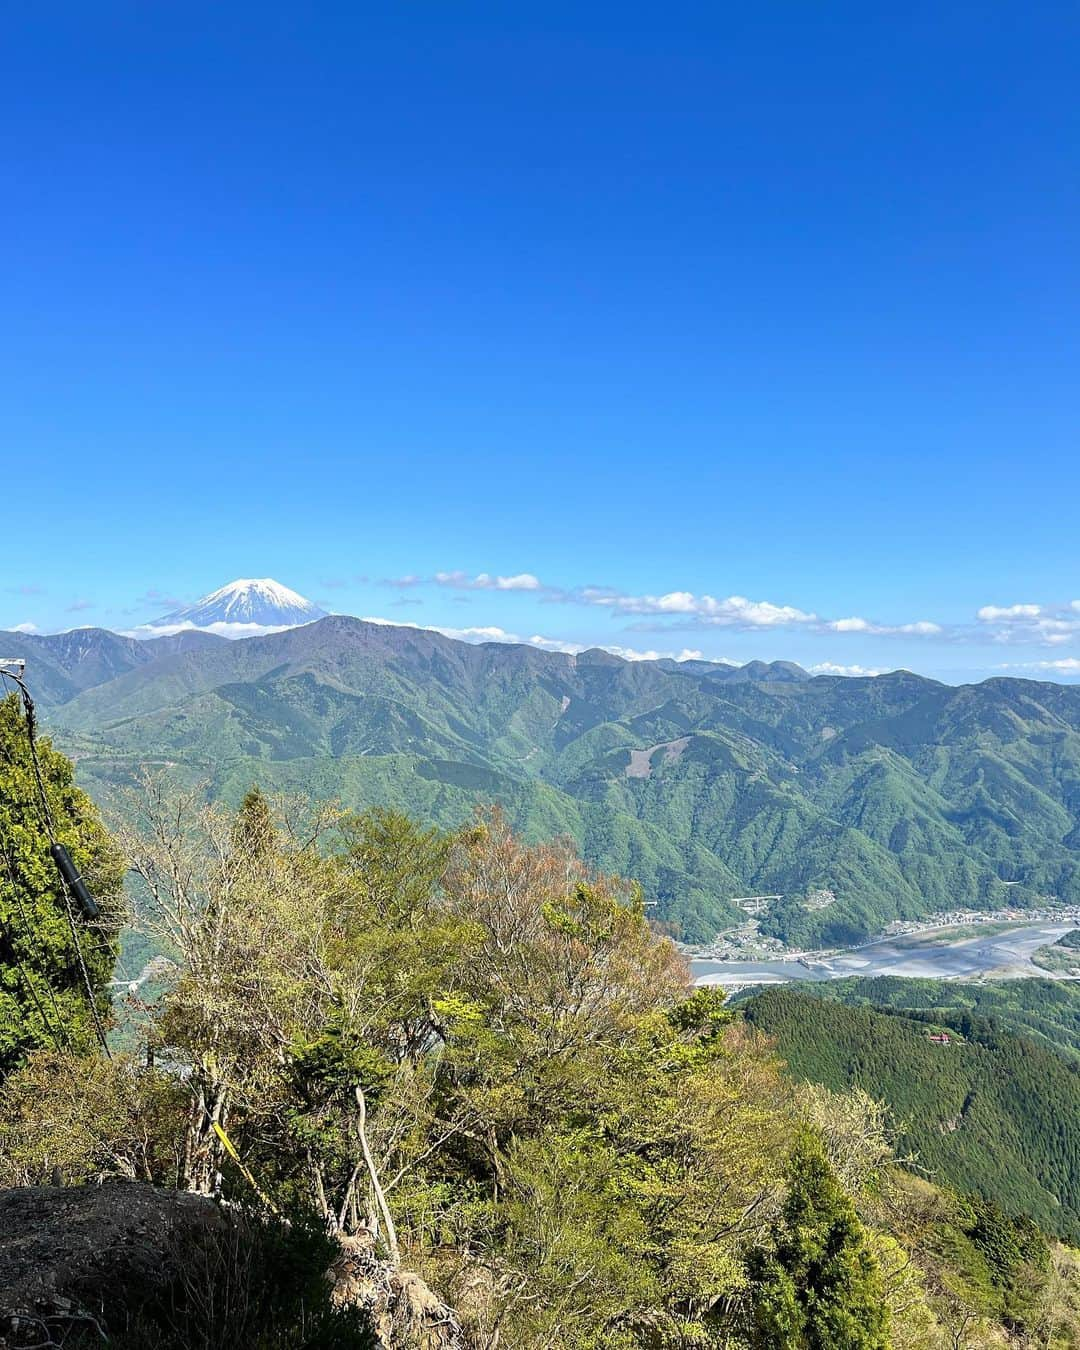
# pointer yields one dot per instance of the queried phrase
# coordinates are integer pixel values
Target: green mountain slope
(1045, 1011)
(998, 1115)
(899, 794)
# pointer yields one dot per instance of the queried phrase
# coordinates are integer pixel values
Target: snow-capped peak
(246, 606)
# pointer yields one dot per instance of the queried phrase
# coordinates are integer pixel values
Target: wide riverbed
(1004, 955)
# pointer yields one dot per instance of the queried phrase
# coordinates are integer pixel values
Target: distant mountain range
(704, 782)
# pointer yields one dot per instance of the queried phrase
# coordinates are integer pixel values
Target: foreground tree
(472, 1052)
(488, 1079)
(238, 910)
(49, 952)
(88, 1117)
(818, 1287)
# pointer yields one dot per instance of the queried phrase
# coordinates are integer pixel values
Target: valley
(873, 872)
(926, 955)
(853, 802)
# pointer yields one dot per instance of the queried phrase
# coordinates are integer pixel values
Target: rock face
(80, 1258)
(403, 1309)
(63, 1249)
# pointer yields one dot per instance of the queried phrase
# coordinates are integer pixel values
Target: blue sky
(746, 330)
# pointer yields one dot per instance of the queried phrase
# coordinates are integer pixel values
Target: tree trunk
(369, 1162)
(202, 1148)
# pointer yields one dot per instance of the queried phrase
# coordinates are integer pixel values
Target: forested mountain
(991, 1112)
(1045, 1011)
(457, 1094)
(900, 794)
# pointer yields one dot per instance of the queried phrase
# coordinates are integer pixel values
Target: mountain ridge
(898, 793)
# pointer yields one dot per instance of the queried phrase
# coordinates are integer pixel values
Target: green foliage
(1046, 1011)
(1009, 1245)
(88, 1116)
(478, 1051)
(817, 1287)
(1061, 957)
(996, 1115)
(991, 1269)
(900, 794)
(43, 1000)
(474, 1057)
(396, 863)
(254, 830)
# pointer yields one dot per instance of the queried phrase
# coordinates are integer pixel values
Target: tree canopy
(817, 1287)
(472, 1059)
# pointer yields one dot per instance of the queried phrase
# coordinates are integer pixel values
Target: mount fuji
(244, 608)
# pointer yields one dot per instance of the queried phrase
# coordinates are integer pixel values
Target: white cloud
(145, 631)
(24, 628)
(481, 633)
(633, 654)
(1067, 665)
(1007, 613)
(738, 612)
(548, 644)
(561, 645)
(831, 668)
(734, 611)
(921, 628)
(483, 581)
(685, 609)
(1045, 625)
(554, 644)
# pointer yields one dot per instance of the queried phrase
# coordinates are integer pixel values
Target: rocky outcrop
(403, 1309)
(64, 1250)
(86, 1257)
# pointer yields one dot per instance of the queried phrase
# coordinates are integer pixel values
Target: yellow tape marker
(230, 1148)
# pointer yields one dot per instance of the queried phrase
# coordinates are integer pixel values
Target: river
(1006, 955)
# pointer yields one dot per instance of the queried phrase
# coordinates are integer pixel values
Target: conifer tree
(254, 831)
(819, 1287)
